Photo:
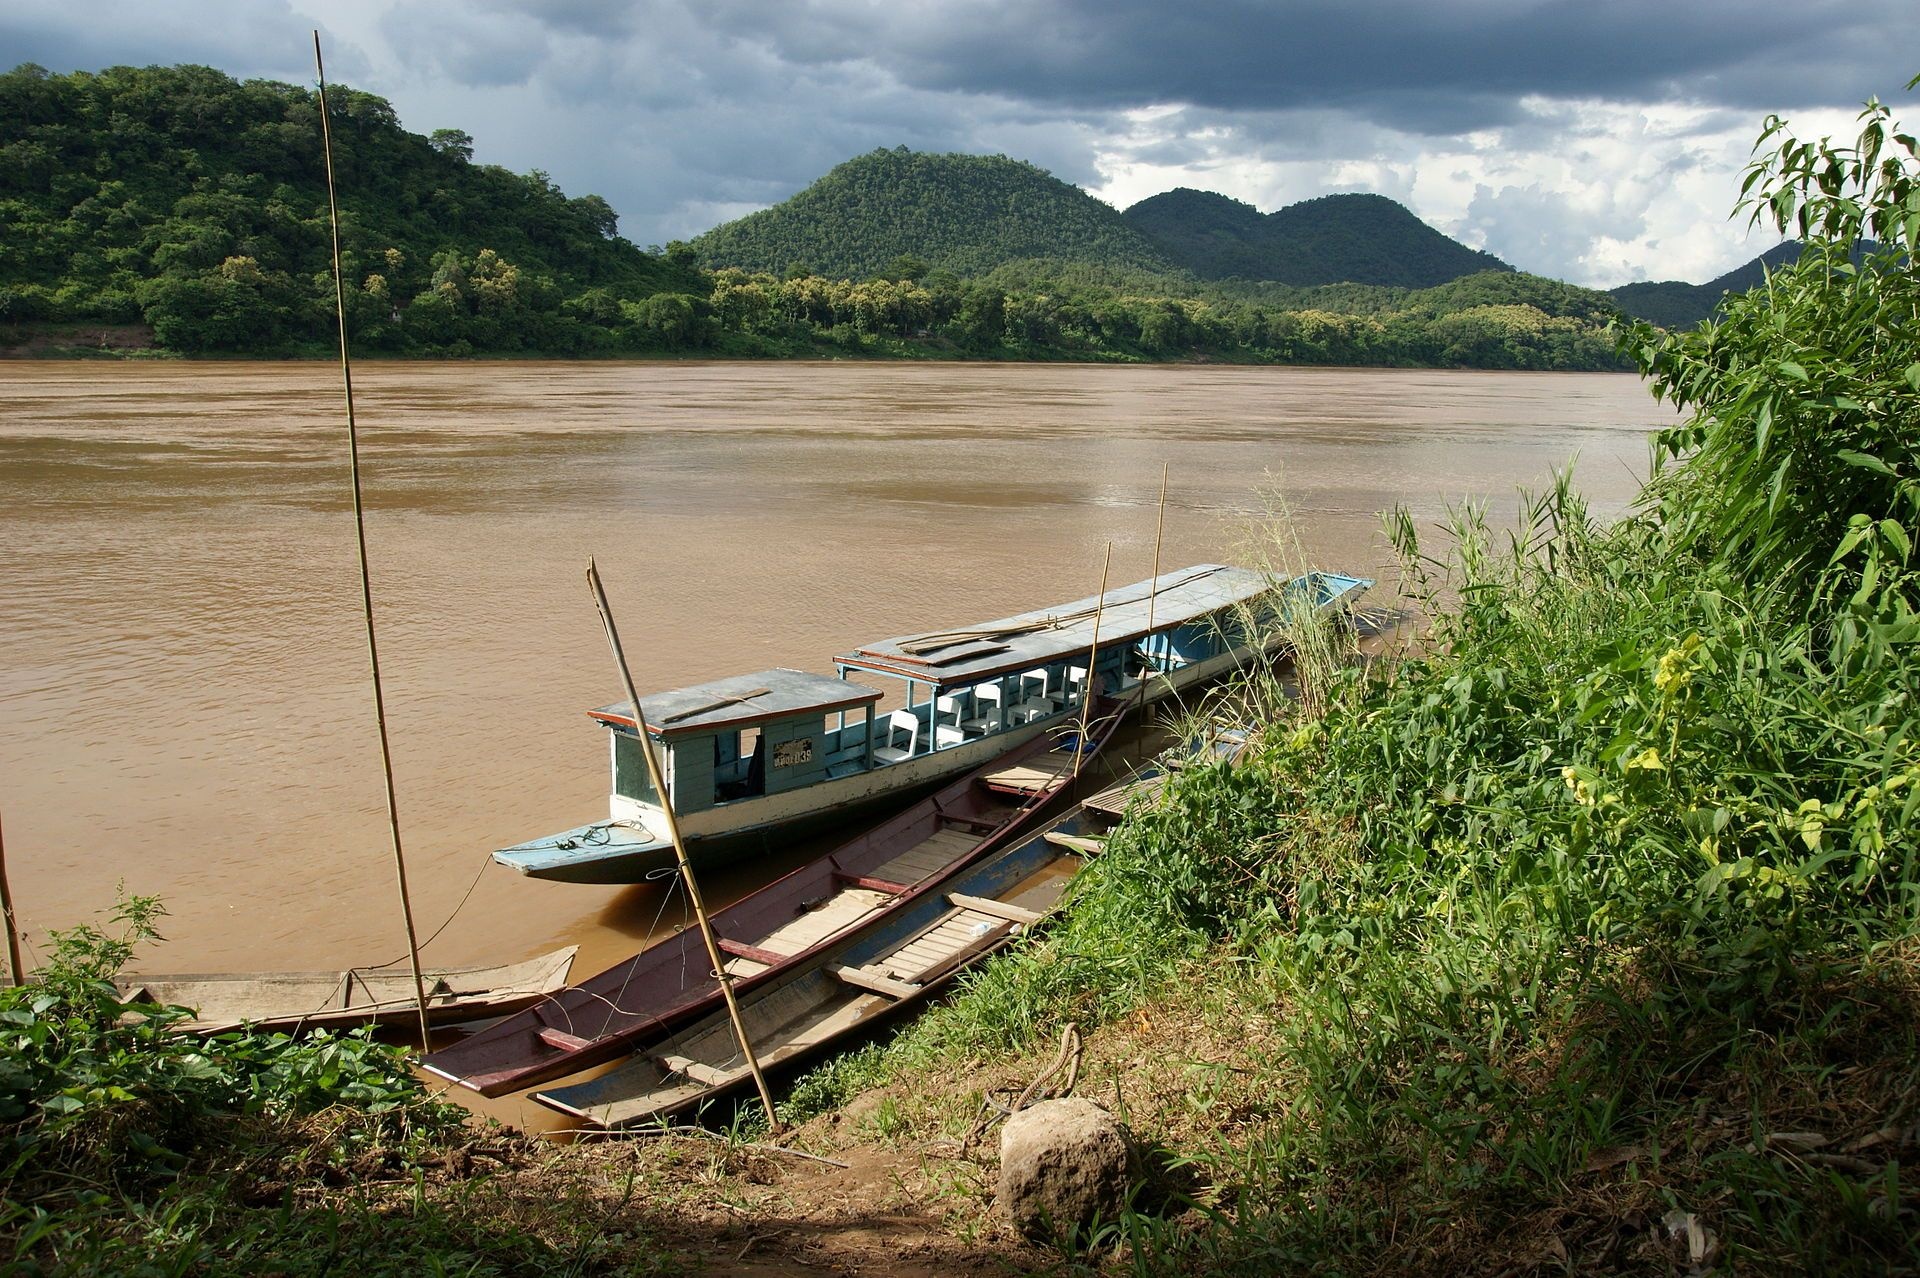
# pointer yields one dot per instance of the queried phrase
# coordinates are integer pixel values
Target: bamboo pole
(680, 848)
(1153, 592)
(360, 538)
(6, 907)
(1093, 654)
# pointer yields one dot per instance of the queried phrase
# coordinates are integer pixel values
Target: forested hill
(1677, 304)
(1336, 239)
(182, 198)
(189, 209)
(962, 213)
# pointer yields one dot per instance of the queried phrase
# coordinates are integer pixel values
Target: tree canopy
(196, 203)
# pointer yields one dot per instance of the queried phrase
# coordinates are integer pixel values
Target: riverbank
(1501, 342)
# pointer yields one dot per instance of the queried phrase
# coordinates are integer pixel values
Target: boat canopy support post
(360, 537)
(647, 749)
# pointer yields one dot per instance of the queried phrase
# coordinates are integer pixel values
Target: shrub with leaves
(91, 1083)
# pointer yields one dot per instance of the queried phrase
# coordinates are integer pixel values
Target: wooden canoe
(862, 882)
(297, 1001)
(843, 989)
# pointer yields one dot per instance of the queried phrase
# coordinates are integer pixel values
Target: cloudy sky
(1599, 141)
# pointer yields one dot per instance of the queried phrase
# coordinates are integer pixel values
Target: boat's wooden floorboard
(1113, 801)
(952, 934)
(929, 857)
(1041, 773)
(809, 929)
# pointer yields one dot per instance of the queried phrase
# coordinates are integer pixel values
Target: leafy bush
(92, 1085)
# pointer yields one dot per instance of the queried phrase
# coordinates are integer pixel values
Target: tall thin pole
(6, 907)
(360, 538)
(679, 847)
(1093, 654)
(1153, 591)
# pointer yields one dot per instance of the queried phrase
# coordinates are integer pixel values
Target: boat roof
(739, 701)
(970, 654)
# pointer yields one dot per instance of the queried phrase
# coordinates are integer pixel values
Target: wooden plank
(721, 704)
(1086, 844)
(975, 946)
(877, 885)
(1043, 774)
(562, 1040)
(740, 949)
(1113, 801)
(835, 915)
(698, 1071)
(878, 982)
(998, 909)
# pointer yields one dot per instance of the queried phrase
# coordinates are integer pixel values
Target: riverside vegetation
(1579, 937)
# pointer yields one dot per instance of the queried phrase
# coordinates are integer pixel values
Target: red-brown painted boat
(855, 887)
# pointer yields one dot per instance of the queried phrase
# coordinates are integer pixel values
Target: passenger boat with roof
(754, 760)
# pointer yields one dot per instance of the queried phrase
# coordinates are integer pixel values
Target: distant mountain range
(1336, 239)
(899, 211)
(970, 214)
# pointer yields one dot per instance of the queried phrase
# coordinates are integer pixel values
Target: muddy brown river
(183, 697)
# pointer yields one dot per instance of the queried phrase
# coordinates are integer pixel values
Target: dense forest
(1360, 239)
(183, 199)
(189, 210)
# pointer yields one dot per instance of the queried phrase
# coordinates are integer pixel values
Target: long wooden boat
(843, 989)
(296, 1001)
(868, 879)
(757, 759)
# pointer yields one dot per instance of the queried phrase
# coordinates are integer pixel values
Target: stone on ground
(1063, 1163)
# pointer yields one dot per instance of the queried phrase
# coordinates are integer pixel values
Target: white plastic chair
(947, 734)
(986, 720)
(899, 721)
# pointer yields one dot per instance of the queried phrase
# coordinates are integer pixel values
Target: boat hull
(879, 872)
(300, 1001)
(846, 990)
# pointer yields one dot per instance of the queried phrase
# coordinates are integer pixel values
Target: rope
(1071, 1052)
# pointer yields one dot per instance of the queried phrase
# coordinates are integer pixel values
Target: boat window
(630, 777)
(739, 765)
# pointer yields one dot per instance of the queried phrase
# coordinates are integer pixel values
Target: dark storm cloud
(1425, 67)
(242, 37)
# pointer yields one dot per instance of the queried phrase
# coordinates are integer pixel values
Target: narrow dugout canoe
(864, 881)
(297, 1001)
(843, 989)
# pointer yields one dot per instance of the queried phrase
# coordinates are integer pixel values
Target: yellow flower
(1648, 759)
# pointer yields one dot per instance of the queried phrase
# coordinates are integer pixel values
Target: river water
(183, 696)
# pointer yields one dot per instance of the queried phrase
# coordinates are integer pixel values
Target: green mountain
(1677, 304)
(182, 198)
(1336, 239)
(962, 213)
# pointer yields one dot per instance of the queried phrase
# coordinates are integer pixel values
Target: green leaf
(1865, 461)
(1896, 536)
(1790, 369)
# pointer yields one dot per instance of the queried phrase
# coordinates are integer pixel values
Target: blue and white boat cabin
(753, 760)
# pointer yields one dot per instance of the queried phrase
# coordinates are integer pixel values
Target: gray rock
(1063, 1163)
